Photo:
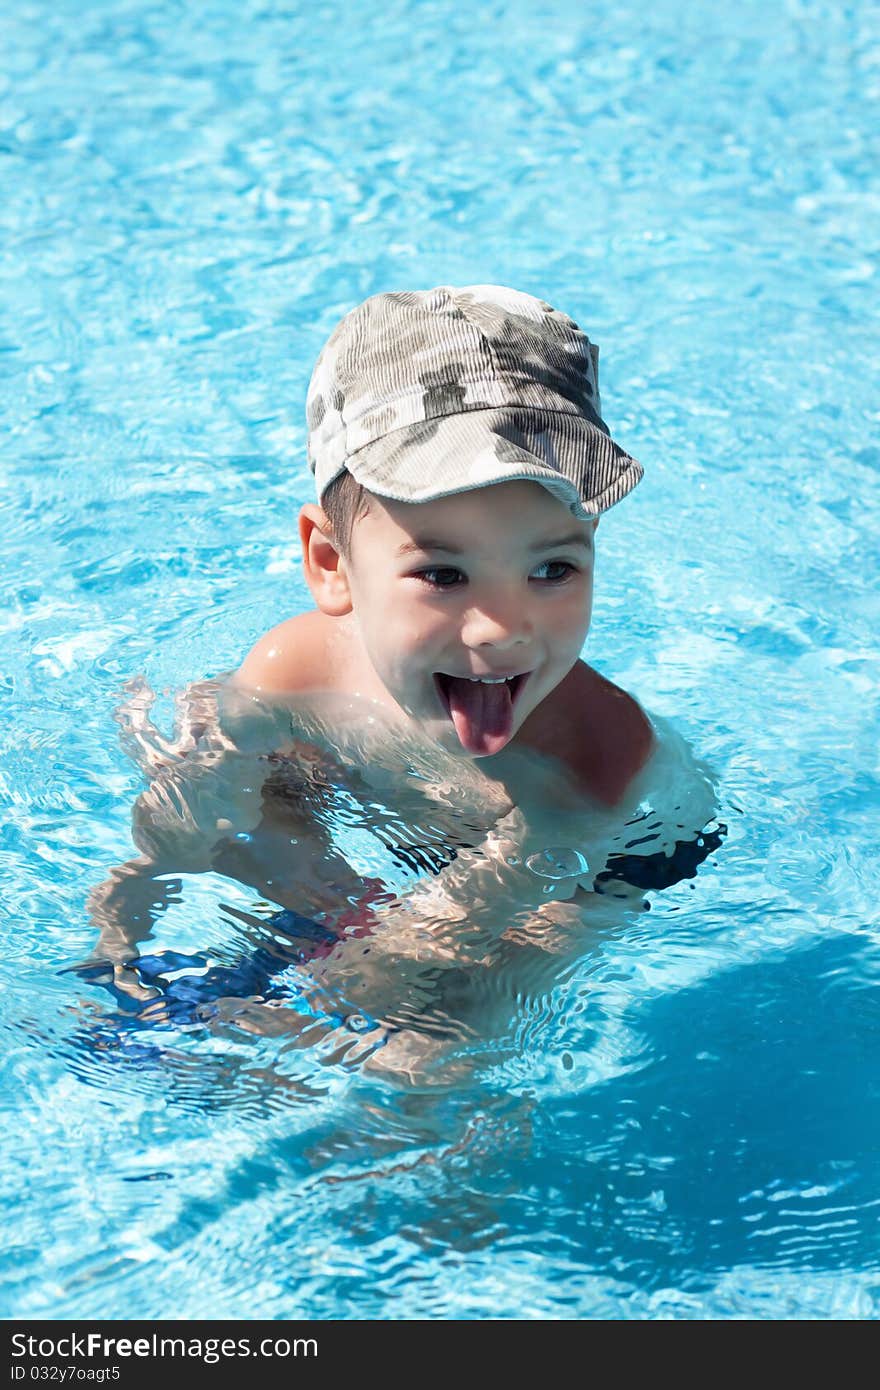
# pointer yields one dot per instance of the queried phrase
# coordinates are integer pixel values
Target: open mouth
(481, 710)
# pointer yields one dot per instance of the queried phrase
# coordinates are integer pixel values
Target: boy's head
(461, 465)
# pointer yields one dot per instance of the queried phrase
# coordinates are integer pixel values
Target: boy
(461, 466)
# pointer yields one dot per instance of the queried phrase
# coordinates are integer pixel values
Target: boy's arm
(209, 814)
(125, 906)
(123, 909)
(177, 823)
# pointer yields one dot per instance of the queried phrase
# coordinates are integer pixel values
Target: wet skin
(490, 583)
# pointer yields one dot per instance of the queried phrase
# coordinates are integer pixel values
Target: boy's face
(495, 583)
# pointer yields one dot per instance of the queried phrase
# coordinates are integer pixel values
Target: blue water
(685, 1123)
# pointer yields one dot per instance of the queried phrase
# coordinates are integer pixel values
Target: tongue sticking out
(481, 714)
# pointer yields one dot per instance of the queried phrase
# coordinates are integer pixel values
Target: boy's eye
(553, 571)
(441, 576)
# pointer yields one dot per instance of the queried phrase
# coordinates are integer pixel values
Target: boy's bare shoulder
(302, 653)
(615, 735)
(598, 730)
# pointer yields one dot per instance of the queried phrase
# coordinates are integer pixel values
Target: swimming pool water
(686, 1123)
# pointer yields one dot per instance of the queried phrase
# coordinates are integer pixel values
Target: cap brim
(565, 452)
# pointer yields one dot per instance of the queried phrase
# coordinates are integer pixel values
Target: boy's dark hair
(343, 502)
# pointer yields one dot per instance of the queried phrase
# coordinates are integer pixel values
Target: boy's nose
(498, 625)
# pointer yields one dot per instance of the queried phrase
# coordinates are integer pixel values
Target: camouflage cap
(424, 393)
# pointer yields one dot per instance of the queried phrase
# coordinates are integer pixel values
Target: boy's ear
(325, 569)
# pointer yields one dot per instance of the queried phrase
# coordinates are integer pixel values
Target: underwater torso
(389, 881)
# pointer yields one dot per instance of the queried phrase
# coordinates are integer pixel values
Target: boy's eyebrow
(428, 543)
(557, 542)
(433, 543)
